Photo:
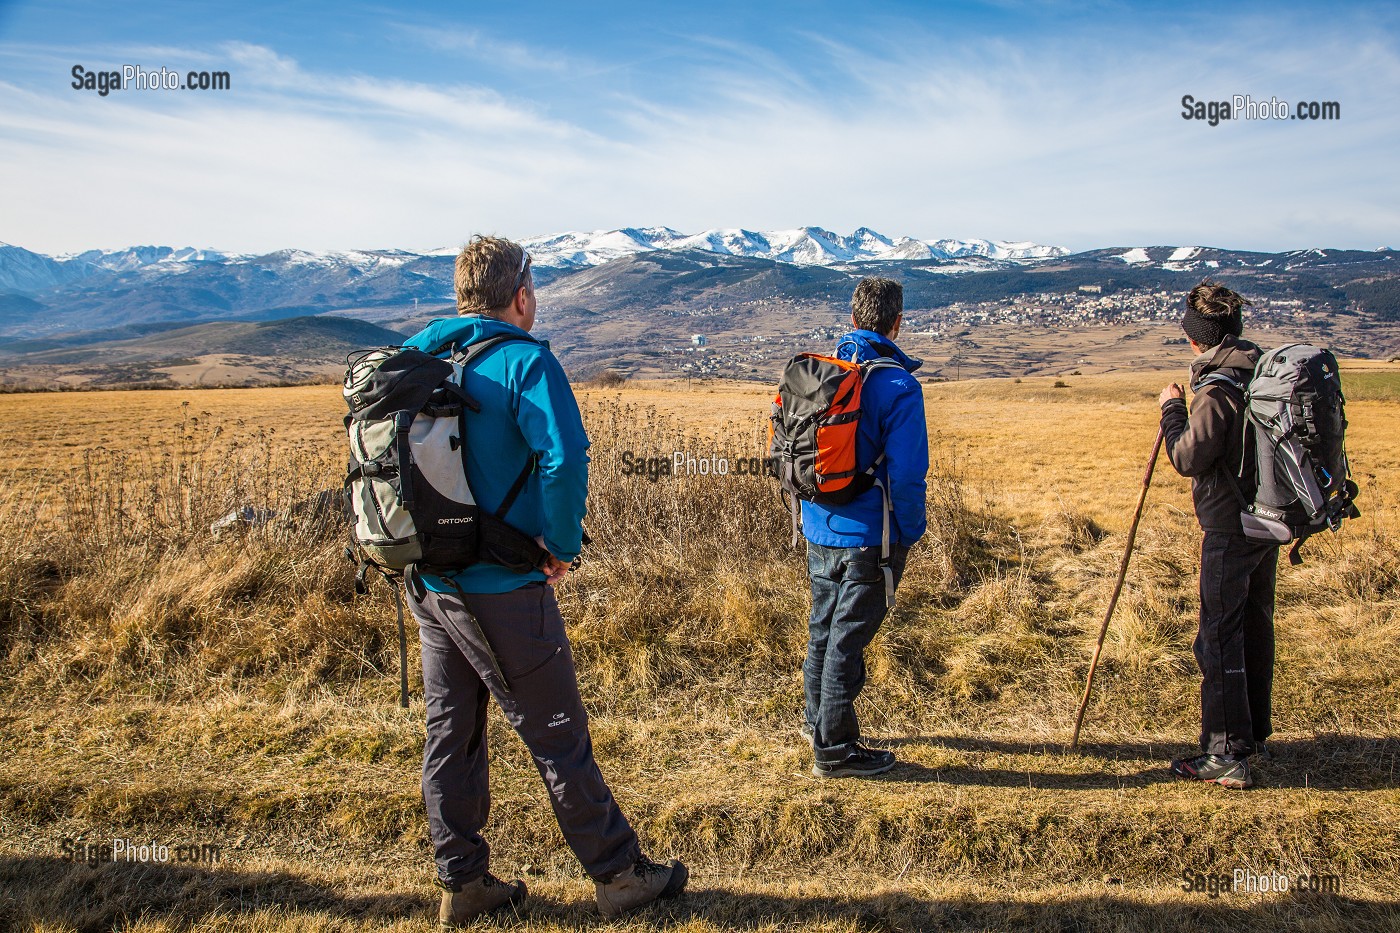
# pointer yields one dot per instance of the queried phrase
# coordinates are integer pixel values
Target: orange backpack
(812, 431)
(812, 440)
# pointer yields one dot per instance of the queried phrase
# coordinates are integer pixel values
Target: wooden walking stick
(1117, 588)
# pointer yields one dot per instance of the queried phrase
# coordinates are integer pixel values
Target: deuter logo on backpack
(1295, 424)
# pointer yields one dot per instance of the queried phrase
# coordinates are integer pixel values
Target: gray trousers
(525, 662)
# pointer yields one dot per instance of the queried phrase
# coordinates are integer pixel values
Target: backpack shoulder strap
(517, 487)
(465, 355)
(1218, 378)
(881, 363)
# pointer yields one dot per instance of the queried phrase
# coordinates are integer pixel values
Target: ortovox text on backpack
(1295, 428)
(406, 483)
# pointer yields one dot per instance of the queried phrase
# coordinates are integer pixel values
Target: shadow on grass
(896, 911)
(1330, 762)
(49, 892)
(37, 890)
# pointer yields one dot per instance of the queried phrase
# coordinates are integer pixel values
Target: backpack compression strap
(403, 421)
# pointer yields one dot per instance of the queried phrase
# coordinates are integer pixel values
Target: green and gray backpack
(406, 484)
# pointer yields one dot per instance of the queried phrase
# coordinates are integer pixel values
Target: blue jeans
(848, 605)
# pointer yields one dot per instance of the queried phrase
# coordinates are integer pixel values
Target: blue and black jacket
(891, 422)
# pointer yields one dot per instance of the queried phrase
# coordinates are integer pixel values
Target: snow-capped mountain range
(617, 270)
(25, 271)
(807, 246)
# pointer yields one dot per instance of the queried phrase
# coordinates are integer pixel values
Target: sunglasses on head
(524, 267)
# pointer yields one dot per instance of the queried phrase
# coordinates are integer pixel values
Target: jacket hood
(463, 330)
(1235, 357)
(868, 345)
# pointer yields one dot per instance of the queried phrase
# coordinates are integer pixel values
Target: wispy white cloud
(477, 44)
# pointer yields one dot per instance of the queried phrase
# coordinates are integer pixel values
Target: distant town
(730, 354)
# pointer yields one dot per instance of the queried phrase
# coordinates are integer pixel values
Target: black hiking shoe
(644, 882)
(862, 762)
(1262, 751)
(1213, 769)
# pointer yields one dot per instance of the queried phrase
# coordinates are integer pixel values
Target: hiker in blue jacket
(489, 631)
(852, 587)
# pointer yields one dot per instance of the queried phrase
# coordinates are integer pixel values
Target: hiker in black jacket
(1235, 644)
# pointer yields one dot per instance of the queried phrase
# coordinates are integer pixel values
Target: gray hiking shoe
(641, 884)
(1213, 769)
(863, 762)
(471, 899)
(805, 730)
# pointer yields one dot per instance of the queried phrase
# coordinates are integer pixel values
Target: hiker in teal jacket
(528, 416)
(491, 633)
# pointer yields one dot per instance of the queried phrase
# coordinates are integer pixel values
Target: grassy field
(161, 683)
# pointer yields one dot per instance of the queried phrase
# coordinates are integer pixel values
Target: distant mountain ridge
(641, 268)
(23, 271)
(309, 337)
(810, 246)
(630, 299)
(229, 353)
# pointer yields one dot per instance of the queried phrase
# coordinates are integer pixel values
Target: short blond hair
(489, 271)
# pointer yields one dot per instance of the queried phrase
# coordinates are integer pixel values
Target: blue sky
(392, 125)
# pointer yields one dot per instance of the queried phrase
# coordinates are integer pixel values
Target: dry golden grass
(159, 683)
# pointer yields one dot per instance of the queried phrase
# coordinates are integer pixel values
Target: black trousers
(1235, 644)
(510, 646)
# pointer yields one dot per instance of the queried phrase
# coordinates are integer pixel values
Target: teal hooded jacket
(528, 411)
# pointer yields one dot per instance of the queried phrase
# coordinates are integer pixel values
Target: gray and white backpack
(406, 484)
(1295, 425)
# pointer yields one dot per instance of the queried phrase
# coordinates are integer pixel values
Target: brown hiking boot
(641, 884)
(471, 899)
